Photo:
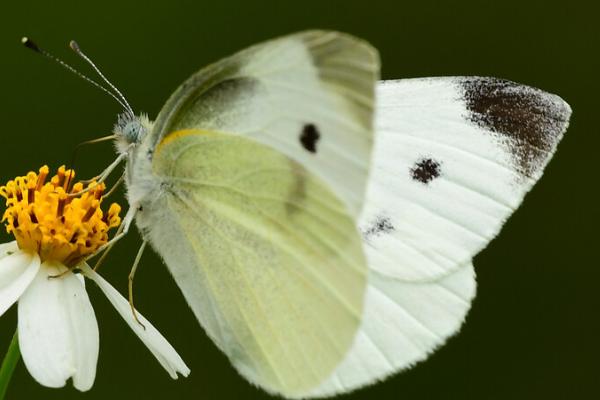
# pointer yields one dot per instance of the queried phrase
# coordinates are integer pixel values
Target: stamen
(61, 207)
(42, 178)
(74, 237)
(89, 214)
(53, 222)
(70, 174)
(61, 176)
(99, 193)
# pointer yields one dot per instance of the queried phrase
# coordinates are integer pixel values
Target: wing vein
(292, 254)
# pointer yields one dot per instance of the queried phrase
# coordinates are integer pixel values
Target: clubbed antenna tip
(30, 44)
(74, 46)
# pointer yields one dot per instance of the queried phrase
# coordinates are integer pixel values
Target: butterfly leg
(102, 177)
(131, 276)
(108, 249)
(115, 186)
(121, 232)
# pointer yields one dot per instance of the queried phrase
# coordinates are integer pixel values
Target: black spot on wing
(309, 137)
(380, 225)
(530, 121)
(425, 170)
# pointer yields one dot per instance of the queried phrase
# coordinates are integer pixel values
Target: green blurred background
(534, 328)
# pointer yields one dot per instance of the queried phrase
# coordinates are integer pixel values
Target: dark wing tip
(530, 121)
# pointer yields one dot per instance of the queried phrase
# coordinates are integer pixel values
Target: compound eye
(132, 131)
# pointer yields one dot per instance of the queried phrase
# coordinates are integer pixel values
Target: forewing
(453, 159)
(309, 95)
(266, 255)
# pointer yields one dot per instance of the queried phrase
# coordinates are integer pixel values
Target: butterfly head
(130, 129)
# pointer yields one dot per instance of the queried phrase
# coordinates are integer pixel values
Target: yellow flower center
(54, 219)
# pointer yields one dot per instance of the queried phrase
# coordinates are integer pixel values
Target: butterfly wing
(257, 175)
(268, 258)
(403, 323)
(453, 159)
(309, 95)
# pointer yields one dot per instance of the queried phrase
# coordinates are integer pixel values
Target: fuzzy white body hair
(143, 188)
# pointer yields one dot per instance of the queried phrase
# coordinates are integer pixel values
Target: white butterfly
(322, 224)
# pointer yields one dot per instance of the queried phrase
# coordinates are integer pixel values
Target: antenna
(75, 47)
(34, 47)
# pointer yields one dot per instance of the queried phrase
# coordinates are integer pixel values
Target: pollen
(55, 217)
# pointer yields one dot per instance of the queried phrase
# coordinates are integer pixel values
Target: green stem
(8, 364)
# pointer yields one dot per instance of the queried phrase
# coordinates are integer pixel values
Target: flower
(57, 225)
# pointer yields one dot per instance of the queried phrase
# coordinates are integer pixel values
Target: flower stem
(8, 364)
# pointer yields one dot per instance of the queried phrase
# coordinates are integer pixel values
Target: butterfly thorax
(133, 137)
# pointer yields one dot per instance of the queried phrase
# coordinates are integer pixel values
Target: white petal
(16, 273)
(58, 333)
(86, 336)
(156, 343)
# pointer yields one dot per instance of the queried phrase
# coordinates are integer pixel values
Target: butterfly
(321, 223)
